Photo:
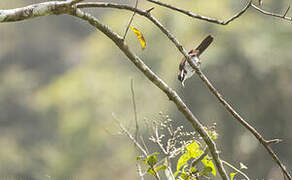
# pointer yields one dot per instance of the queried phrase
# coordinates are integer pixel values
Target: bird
(185, 69)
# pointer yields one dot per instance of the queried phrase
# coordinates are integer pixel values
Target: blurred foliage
(61, 80)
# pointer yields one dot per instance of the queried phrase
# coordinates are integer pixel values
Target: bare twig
(204, 18)
(137, 129)
(134, 109)
(287, 10)
(228, 164)
(140, 173)
(130, 21)
(273, 141)
(243, 122)
(139, 169)
(198, 159)
(126, 132)
(239, 13)
(149, 10)
(273, 14)
(158, 141)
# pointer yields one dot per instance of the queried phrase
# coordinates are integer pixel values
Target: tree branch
(198, 159)
(130, 21)
(35, 10)
(204, 18)
(273, 14)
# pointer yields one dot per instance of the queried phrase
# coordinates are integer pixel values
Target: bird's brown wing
(203, 46)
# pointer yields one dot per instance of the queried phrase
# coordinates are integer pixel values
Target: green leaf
(206, 171)
(184, 175)
(194, 150)
(176, 173)
(193, 147)
(151, 171)
(182, 160)
(193, 170)
(242, 166)
(152, 160)
(232, 175)
(155, 153)
(209, 163)
(162, 167)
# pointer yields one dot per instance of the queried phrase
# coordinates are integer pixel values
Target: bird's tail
(204, 44)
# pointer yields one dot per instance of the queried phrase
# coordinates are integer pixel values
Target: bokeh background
(61, 80)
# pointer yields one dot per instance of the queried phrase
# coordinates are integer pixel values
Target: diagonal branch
(204, 18)
(131, 20)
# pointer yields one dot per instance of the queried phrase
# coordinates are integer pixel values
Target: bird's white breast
(189, 69)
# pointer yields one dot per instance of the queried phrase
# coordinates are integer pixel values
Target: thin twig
(273, 141)
(198, 159)
(242, 173)
(130, 21)
(239, 13)
(134, 109)
(126, 132)
(287, 10)
(140, 173)
(144, 144)
(193, 15)
(158, 141)
(242, 121)
(139, 170)
(137, 129)
(273, 14)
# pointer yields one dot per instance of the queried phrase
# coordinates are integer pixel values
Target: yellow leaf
(139, 36)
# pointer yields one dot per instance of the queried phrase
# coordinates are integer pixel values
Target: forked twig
(129, 135)
(273, 14)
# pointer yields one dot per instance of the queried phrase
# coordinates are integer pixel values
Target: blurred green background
(61, 80)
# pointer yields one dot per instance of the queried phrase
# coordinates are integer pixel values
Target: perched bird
(185, 69)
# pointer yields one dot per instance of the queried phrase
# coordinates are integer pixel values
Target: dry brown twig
(66, 7)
